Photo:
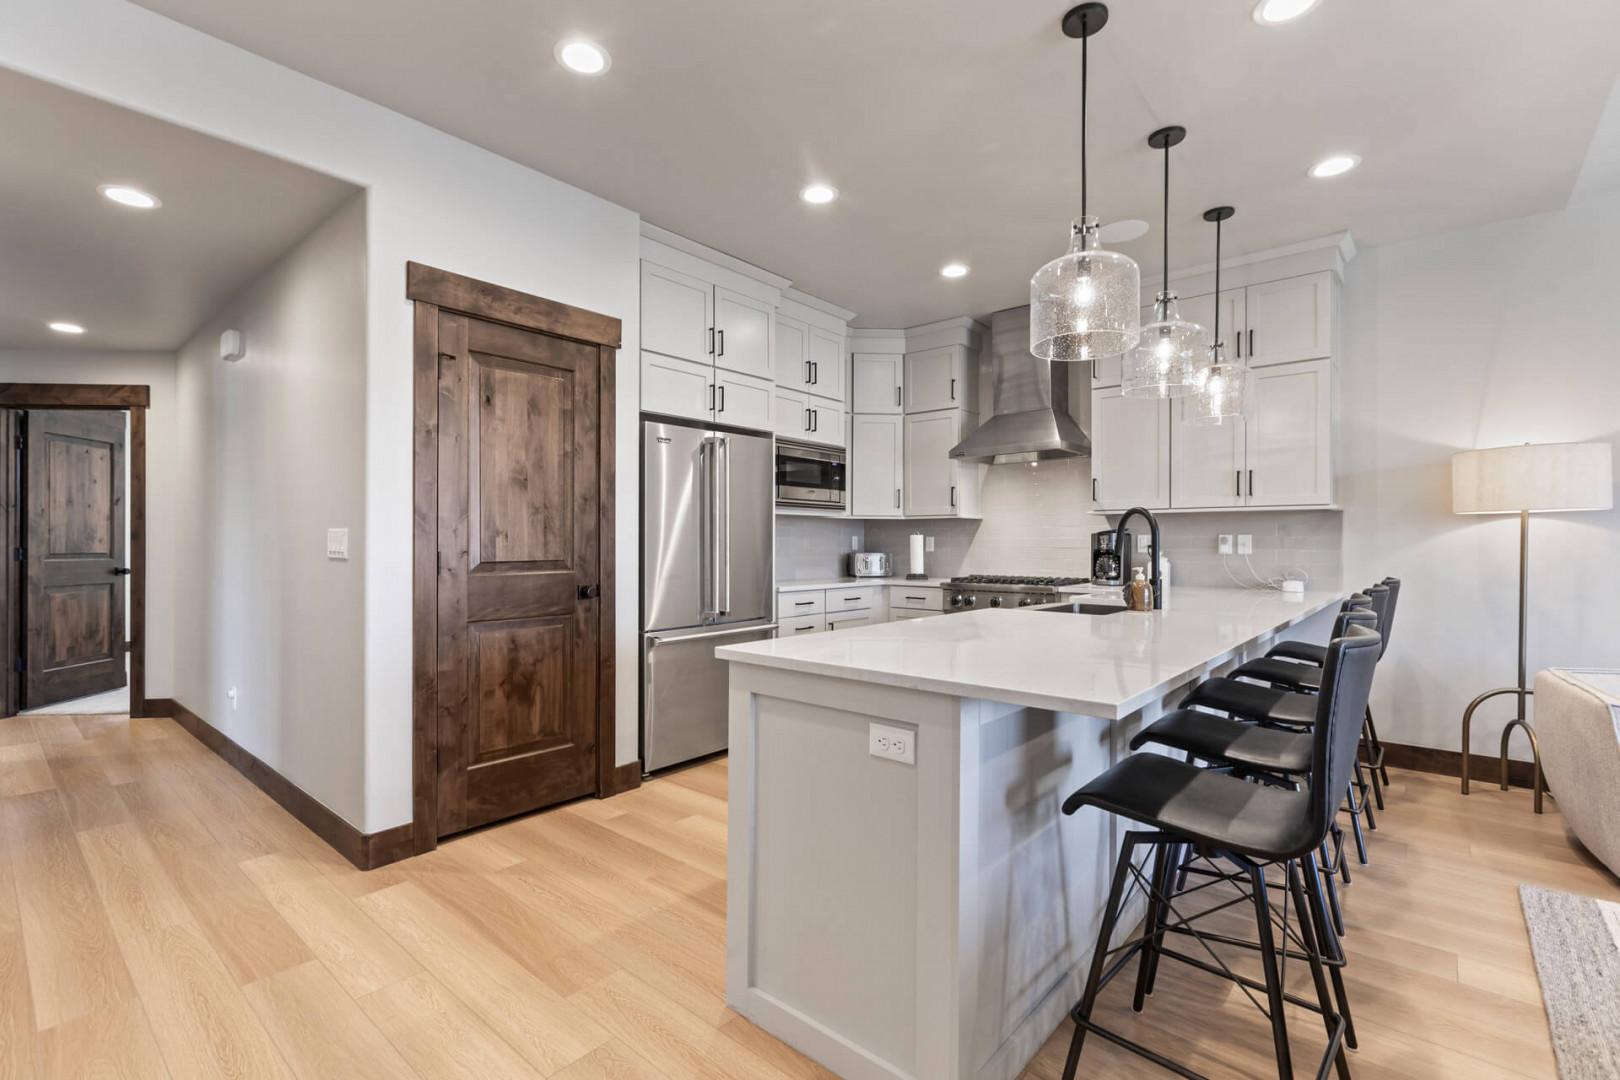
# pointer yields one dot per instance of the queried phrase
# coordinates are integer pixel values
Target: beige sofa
(1578, 725)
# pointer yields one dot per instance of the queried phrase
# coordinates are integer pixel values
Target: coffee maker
(1109, 566)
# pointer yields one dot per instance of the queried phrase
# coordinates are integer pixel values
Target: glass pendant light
(1170, 356)
(1224, 384)
(1085, 304)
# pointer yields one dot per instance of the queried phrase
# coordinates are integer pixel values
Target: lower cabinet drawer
(904, 596)
(854, 598)
(791, 605)
(803, 624)
(840, 620)
(912, 613)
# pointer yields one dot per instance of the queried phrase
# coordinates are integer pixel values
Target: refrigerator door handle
(724, 537)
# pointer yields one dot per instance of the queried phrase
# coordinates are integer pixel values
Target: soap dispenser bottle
(1139, 593)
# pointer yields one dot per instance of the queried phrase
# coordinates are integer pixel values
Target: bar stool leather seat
(1235, 742)
(1286, 674)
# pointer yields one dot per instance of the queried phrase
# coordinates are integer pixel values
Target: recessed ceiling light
(1120, 232)
(124, 195)
(67, 327)
(954, 270)
(585, 57)
(1272, 12)
(1334, 165)
(819, 194)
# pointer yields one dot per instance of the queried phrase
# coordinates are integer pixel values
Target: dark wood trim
(74, 396)
(424, 579)
(367, 851)
(618, 779)
(434, 290)
(10, 569)
(480, 299)
(1484, 768)
(136, 631)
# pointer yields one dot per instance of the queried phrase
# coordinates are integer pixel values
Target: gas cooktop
(992, 581)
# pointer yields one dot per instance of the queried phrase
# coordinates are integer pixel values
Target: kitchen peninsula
(931, 917)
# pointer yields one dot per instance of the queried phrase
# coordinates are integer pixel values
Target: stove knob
(1025, 602)
(956, 600)
(995, 601)
(970, 600)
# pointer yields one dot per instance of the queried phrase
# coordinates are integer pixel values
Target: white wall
(271, 455)
(1489, 336)
(156, 370)
(433, 199)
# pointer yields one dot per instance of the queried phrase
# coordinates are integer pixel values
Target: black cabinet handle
(722, 399)
(815, 374)
(897, 395)
(953, 496)
(815, 419)
(711, 397)
(897, 498)
(1251, 471)
(1237, 482)
(807, 419)
(589, 592)
(807, 379)
(1251, 344)
(722, 351)
(953, 389)
(804, 603)
(711, 341)
(1093, 489)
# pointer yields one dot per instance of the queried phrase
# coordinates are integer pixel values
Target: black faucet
(1119, 546)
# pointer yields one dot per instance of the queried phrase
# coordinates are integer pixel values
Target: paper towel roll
(916, 554)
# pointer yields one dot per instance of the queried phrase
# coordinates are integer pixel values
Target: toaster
(868, 564)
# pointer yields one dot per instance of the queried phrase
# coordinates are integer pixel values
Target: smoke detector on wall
(231, 346)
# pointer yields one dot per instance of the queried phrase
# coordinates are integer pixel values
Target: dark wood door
(73, 539)
(518, 571)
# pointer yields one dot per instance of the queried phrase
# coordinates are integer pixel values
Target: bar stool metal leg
(1310, 939)
(1268, 964)
(1088, 1000)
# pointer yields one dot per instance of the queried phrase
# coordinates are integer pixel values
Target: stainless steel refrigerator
(707, 500)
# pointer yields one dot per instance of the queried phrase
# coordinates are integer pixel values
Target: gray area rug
(1576, 941)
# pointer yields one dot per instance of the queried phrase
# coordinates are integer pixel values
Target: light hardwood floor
(159, 916)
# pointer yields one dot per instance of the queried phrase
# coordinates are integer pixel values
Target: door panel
(827, 356)
(74, 538)
(1130, 451)
(518, 513)
(740, 401)
(792, 353)
(1206, 461)
(677, 314)
(748, 470)
(876, 451)
(676, 387)
(1290, 435)
(877, 379)
(673, 505)
(742, 328)
(684, 695)
(1290, 320)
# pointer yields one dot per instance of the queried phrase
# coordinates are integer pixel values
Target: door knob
(589, 592)
(122, 570)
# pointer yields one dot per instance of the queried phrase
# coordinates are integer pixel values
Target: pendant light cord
(1217, 334)
(1166, 237)
(1085, 75)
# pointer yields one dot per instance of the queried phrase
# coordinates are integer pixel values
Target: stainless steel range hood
(1031, 420)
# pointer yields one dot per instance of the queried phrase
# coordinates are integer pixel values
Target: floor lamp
(1525, 480)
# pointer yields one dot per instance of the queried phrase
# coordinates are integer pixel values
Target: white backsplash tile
(810, 547)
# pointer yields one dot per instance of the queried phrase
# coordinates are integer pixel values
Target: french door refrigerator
(707, 500)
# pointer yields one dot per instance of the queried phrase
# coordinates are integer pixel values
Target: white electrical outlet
(928, 543)
(337, 543)
(1223, 544)
(1144, 543)
(231, 694)
(855, 543)
(1245, 544)
(896, 744)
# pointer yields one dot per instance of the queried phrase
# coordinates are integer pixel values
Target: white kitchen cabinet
(1130, 451)
(876, 381)
(876, 453)
(1206, 460)
(677, 314)
(742, 401)
(942, 378)
(1289, 444)
(929, 598)
(799, 626)
(845, 619)
(827, 364)
(800, 604)
(935, 484)
(1201, 310)
(856, 598)
(1289, 320)
(799, 416)
(676, 387)
(792, 361)
(1104, 371)
(742, 333)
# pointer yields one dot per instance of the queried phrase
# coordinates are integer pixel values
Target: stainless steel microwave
(809, 476)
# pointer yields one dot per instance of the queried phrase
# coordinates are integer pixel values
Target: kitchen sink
(1079, 608)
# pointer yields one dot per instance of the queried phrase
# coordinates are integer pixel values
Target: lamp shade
(1538, 477)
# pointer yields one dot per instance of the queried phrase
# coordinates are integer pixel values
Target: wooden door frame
(134, 400)
(432, 290)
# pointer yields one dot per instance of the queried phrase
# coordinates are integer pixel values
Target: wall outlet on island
(894, 743)
(1245, 544)
(1223, 544)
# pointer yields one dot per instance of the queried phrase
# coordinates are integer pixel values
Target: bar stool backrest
(1346, 683)
(1380, 596)
(1354, 617)
(1394, 586)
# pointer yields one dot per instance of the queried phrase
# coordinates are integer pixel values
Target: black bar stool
(1251, 827)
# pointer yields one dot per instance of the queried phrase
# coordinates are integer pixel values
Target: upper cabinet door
(1290, 320)
(877, 381)
(742, 333)
(677, 314)
(931, 488)
(792, 353)
(676, 388)
(743, 401)
(1201, 310)
(938, 379)
(1206, 461)
(1105, 370)
(1290, 435)
(826, 423)
(790, 413)
(827, 365)
(1130, 451)
(876, 449)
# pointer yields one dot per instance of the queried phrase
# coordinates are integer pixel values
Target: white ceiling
(950, 127)
(133, 279)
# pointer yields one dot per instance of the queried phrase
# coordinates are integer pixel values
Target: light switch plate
(1245, 544)
(337, 544)
(928, 543)
(1144, 543)
(894, 743)
(1223, 544)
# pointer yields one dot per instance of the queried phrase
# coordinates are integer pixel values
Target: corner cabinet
(1289, 438)
(1130, 451)
(877, 382)
(935, 484)
(876, 466)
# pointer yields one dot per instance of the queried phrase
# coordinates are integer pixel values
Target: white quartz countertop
(1096, 665)
(842, 582)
